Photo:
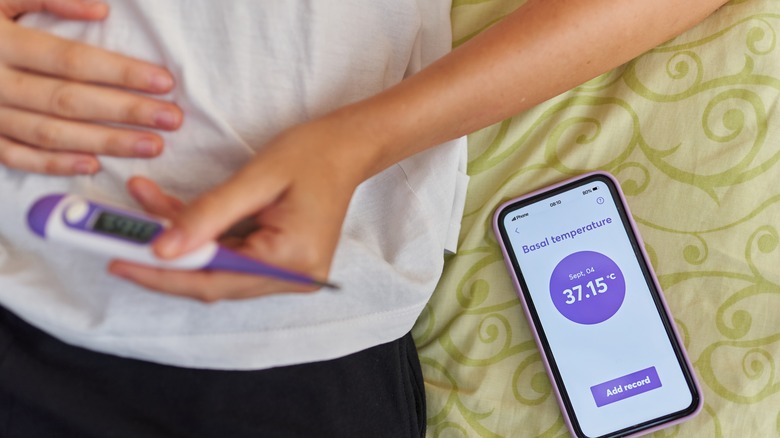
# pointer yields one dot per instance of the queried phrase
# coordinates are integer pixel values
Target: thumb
(71, 9)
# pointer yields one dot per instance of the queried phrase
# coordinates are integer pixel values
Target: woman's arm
(298, 187)
(544, 48)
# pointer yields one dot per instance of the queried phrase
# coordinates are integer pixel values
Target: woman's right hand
(58, 96)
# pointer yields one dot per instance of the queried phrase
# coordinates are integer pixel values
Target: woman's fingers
(214, 212)
(22, 157)
(201, 285)
(64, 103)
(60, 135)
(40, 52)
(72, 9)
(152, 198)
(79, 101)
(206, 286)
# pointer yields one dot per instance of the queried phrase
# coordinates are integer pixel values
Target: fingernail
(161, 82)
(146, 148)
(85, 167)
(168, 244)
(166, 119)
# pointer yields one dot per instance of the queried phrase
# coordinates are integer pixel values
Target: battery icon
(595, 188)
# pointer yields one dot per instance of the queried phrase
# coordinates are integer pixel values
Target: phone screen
(594, 304)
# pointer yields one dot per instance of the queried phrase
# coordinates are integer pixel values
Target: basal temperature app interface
(601, 322)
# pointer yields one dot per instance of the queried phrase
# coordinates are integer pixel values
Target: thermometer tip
(326, 285)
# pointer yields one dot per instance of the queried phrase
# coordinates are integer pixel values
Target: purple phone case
(535, 333)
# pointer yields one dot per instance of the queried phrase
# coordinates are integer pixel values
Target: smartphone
(596, 309)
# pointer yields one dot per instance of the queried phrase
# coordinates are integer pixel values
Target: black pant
(51, 389)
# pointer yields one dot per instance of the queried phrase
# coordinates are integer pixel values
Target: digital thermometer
(128, 235)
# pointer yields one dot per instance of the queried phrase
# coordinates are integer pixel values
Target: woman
(331, 129)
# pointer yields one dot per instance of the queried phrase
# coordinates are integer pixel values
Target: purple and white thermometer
(128, 235)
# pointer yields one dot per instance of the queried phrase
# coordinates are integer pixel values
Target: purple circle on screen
(587, 287)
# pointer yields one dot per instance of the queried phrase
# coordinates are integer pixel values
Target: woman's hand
(56, 96)
(293, 195)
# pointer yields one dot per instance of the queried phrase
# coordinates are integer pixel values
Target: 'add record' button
(626, 386)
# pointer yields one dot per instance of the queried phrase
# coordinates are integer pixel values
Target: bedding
(690, 130)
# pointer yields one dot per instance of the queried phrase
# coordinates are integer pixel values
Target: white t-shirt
(245, 71)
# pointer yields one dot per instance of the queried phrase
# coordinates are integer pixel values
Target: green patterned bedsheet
(690, 131)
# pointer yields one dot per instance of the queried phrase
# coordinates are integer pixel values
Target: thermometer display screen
(126, 227)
